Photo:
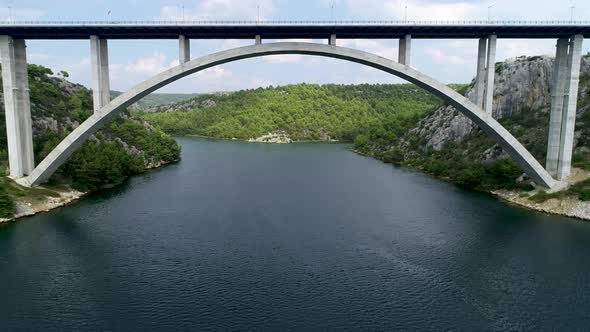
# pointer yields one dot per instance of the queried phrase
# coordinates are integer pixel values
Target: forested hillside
(125, 147)
(400, 124)
(304, 111)
(447, 144)
(157, 99)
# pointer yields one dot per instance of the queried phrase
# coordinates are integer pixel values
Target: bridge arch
(106, 114)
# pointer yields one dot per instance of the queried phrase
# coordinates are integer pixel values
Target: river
(246, 236)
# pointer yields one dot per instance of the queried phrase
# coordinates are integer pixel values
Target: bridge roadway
(295, 29)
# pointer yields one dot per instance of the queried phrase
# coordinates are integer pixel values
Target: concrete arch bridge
(18, 118)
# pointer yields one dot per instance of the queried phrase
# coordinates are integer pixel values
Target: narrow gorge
(404, 125)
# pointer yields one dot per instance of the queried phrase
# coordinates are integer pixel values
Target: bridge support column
(258, 40)
(184, 49)
(490, 71)
(480, 78)
(486, 69)
(405, 48)
(563, 106)
(564, 98)
(557, 100)
(99, 55)
(17, 103)
(332, 40)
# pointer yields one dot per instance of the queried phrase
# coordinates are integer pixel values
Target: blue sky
(134, 61)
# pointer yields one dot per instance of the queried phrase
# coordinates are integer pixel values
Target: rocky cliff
(448, 145)
(522, 85)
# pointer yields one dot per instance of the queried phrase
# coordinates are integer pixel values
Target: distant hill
(157, 99)
(400, 123)
(303, 111)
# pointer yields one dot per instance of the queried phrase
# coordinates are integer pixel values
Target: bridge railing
(303, 22)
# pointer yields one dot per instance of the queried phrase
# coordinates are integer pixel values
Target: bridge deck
(292, 30)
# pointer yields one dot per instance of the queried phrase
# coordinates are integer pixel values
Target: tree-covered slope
(157, 99)
(125, 147)
(401, 124)
(447, 144)
(304, 111)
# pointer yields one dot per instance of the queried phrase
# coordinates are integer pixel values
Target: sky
(132, 61)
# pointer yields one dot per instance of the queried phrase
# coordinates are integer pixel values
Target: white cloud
(443, 58)
(416, 9)
(37, 57)
(509, 48)
(213, 73)
(221, 9)
(378, 47)
(227, 44)
(465, 9)
(20, 14)
(283, 58)
(126, 75)
(148, 66)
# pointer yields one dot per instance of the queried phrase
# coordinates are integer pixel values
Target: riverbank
(32, 201)
(561, 203)
(260, 140)
(558, 203)
(568, 206)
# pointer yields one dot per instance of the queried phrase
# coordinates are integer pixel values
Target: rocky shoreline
(564, 206)
(28, 206)
(569, 206)
(57, 197)
(265, 139)
(278, 137)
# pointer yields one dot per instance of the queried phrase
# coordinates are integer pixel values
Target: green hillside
(156, 99)
(304, 111)
(125, 147)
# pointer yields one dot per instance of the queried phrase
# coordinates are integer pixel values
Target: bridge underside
(294, 30)
(111, 109)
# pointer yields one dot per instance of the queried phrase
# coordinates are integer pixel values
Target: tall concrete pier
(332, 40)
(405, 50)
(490, 71)
(486, 68)
(564, 98)
(99, 55)
(19, 129)
(184, 49)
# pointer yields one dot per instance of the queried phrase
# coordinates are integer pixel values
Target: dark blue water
(287, 237)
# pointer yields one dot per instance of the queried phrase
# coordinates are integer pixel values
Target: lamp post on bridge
(332, 10)
(490, 12)
(406, 12)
